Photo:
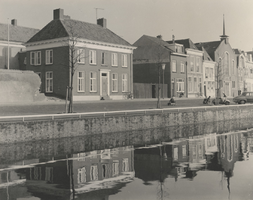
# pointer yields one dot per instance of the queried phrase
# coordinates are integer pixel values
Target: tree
(76, 55)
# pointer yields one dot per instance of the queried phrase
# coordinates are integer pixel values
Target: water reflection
(109, 173)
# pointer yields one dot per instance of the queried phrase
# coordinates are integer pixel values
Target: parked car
(244, 98)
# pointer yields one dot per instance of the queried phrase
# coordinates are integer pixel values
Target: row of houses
(105, 66)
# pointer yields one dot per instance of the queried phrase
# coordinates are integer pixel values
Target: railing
(48, 117)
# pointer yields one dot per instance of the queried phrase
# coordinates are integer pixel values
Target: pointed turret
(224, 36)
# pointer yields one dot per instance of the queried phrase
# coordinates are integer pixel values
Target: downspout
(131, 73)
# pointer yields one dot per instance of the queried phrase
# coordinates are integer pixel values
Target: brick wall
(39, 130)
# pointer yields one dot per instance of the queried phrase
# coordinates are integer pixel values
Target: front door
(104, 84)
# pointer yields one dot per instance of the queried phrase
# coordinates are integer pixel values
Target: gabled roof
(59, 28)
(237, 51)
(187, 43)
(149, 47)
(16, 33)
(210, 47)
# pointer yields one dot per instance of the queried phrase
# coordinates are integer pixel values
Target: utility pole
(97, 11)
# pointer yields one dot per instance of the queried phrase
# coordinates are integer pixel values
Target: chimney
(159, 37)
(101, 22)
(173, 39)
(58, 13)
(14, 22)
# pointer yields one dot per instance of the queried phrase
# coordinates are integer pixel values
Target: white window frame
(80, 56)
(92, 57)
(182, 67)
(190, 84)
(192, 63)
(124, 60)
(49, 57)
(174, 66)
(81, 81)
(93, 81)
(38, 58)
(124, 83)
(197, 64)
(50, 79)
(114, 59)
(114, 82)
(32, 58)
(180, 82)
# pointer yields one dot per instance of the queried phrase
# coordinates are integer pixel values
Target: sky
(199, 20)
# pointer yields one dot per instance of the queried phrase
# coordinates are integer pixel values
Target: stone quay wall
(13, 132)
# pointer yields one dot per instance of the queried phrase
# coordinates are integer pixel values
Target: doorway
(153, 91)
(104, 84)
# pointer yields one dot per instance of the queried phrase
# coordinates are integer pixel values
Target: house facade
(178, 71)
(245, 71)
(194, 70)
(12, 39)
(151, 67)
(101, 60)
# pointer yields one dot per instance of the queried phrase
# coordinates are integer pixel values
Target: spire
(224, 36)
(223, 25)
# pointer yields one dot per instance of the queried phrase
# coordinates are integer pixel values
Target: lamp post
(163, 68)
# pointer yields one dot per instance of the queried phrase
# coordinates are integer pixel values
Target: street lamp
(163, 68)
(159, 87)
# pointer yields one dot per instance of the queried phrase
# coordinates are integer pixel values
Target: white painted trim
(86, 98)
(180, 54)
(194, 52)
(61, 42)
(12, 44)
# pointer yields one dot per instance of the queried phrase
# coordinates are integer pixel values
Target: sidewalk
(58, 106)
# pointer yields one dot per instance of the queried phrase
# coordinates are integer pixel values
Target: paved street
(54, 107)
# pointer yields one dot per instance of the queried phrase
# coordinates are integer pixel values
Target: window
(103, 58)
(233, 84)
(94, 173)
(114, 59)
(124, 82)
(114, 82)
(115, 168)
(93, 81)
(92, 57)
(81, 175)
(226, 63)
(180, 85)
(25, 60)
(190, 84)
(35, 58)
(124, 60)
(182, 67)
(197, 64)
(49, 174)
(195, 85)
(192, 60)
(80, 56)
(49, 81)
(80, 82)
(174, 66)
(49, 57)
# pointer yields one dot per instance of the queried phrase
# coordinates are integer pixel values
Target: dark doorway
(153, 91)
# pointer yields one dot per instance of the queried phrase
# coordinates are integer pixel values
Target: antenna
(97, 11)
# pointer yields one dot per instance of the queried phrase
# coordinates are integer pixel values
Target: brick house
(13, 37)
(178, 70)
(194, 70)
(103, 65)
(150, 55)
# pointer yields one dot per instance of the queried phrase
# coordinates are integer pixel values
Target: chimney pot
(58, 13)
(14, 22)
(102, 22)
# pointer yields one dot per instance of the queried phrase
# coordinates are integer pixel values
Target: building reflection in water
(98, 174)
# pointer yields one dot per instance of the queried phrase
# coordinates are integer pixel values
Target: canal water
(196, 166)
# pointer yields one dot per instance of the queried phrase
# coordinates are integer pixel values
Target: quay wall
(13, 132)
